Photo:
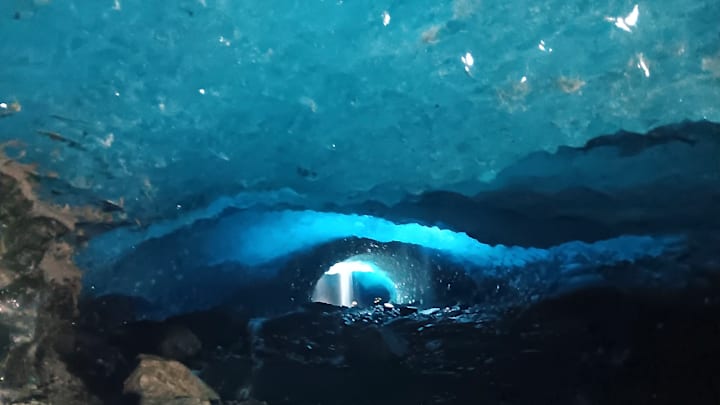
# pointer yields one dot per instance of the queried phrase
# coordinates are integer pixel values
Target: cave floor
(595, 346)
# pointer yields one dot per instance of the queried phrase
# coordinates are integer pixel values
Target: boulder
(160, 381)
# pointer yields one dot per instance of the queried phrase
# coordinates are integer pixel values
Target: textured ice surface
(255, 245)
(260, 238)
(251, 248)
(180, 102)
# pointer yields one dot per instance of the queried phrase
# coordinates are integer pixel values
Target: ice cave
(315, 202)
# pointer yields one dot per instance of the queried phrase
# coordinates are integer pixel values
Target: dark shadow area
(598, 345)
(665, 181)
(104, 353)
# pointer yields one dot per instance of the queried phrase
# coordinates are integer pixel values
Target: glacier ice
(255, 238)
(250, 247)
(178, 103)
(459, 149)
(292, 115)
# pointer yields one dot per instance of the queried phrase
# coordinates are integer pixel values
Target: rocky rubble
(40, 345)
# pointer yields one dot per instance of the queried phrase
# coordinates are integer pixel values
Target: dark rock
(601, 344)
(110, 311)
(217, 327)
(229, 373)
(179, 343)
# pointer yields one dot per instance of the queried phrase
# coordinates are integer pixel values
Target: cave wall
(252, 92)
(665, 181)
(39, 288)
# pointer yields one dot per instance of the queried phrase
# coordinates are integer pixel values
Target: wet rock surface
(39, 290)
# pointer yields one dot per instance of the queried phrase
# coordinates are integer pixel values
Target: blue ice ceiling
(168, 104)
(256, 238)
(234, 136)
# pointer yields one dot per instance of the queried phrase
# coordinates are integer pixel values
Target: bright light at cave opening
(345, 271)
(353, 283)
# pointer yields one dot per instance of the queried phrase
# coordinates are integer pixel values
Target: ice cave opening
(277, 259)
(297, 202)
(355, 282)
